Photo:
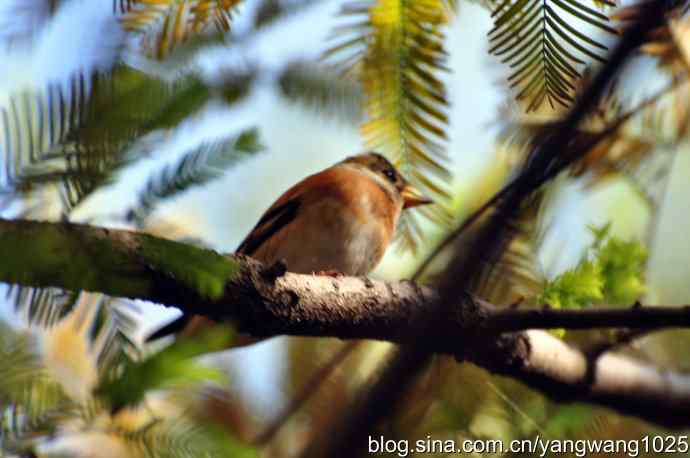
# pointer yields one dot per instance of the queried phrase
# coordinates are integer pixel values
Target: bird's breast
(328, 235)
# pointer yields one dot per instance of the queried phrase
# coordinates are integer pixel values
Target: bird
(337, 221)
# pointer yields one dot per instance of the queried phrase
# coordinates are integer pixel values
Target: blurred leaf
(32, 123)
(59, 138)
(197, 167)
(173, 366)
(164, 24)
(569, 420)
(668, 43)
(541, 42)
(42, 307)
(641, 151)
(622, 267)
(21, 20)
(29, 397)
(515, 273)
(612, 271)
(270, 11)
(395, 47)
(322, 90)
(182, 438)
(113, 327)
(35, 410)
(575, 288)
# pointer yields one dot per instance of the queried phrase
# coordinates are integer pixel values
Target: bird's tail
(193, 325)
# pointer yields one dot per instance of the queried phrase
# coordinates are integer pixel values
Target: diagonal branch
(267, 301)
(543, 165)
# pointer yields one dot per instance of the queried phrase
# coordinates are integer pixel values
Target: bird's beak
(412, 197)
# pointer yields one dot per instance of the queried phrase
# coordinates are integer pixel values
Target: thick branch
(636, 317)
(268, 301)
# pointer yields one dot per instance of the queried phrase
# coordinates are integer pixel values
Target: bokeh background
(298, 139)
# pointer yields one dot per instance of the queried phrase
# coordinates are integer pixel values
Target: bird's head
(385, 173)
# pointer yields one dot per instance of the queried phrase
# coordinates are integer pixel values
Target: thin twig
(307, 390)
(640, 317)
(457, 276)
(475, 215)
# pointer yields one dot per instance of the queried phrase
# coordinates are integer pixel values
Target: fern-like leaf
(199, 166)
(184, 437)
(396, 49)
(78, 136)
(540, 41)
(42, 307)
(32, 123)
(29, 398)
(322, 91)
(164, 24)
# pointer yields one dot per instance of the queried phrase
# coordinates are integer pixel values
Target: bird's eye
(390, 174)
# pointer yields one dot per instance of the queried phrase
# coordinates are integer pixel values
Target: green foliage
(569, 419)
(34, 409)
(81, 135)
(197, 167)
(612, 271)
(541, 42)
(622, 267)
(79, 258)
(33, 123)
(28, 395)
(74, 137)
(205, 272)
(172, 366)
(575, 288)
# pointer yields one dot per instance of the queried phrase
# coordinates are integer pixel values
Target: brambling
(341, 219)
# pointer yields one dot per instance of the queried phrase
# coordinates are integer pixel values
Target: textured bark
(267, 301)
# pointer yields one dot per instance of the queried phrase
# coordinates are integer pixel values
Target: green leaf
(575, 288)
(622, 266)
(540, 41)
(612, 271)
(568, 420)
(171, 367)
(78, 136)
(198, 167)
(30, 400)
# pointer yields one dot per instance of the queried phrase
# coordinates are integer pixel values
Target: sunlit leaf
(611, 272)
(164, 24)
(395, 47)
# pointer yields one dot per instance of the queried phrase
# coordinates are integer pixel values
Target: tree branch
(267, 301)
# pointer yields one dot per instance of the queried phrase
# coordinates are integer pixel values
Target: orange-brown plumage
(340, 219)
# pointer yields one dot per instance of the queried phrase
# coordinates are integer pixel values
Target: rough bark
(267, 300)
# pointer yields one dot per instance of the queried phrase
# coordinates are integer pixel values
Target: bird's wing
(277, 217)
